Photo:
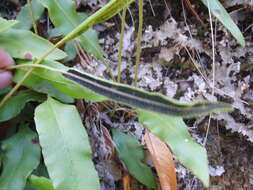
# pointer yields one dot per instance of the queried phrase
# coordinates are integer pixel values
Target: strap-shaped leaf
(106, 12)
(21, 156)
(65, 147)
(145, 100)
(220, 13)
(64, 16)
(61, 84)
(174, 132)
(85, 85)
(40, 84)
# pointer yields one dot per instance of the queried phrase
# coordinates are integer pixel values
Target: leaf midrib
(66, 149)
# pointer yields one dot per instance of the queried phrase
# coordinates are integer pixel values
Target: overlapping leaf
(20, 43)
(103, 14)
(65, 147)
(63, 85)
(42, 84)
(173, 131)
(131, 153)
(222, 15)
(41, 183)
(6, 24)
(111, 9)
(21, 157)
(123, 93)
(64, 16)
(16, 103)
(24, 17)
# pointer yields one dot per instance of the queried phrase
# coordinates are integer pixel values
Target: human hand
(5, 76)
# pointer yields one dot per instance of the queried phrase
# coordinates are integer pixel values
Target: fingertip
(5, 59)
(5, 79)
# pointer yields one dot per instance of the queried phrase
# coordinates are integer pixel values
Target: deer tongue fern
(106, 12)
(128, 95)
(142, 99)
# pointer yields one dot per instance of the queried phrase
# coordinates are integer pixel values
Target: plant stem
(123, 22)
(138, 49)
(33, 17)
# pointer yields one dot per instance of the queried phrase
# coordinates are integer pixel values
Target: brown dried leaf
(163, 161)
(126, 182)
(108, 141)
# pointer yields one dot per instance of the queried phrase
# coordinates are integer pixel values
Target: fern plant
(63, 141)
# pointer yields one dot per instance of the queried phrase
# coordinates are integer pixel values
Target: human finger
(5, 59)
(5, 79)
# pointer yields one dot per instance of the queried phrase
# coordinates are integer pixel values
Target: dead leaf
(108, 141)
(163, 161)
(126, 182)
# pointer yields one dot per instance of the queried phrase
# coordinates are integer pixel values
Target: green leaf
(63, 85)
(173, 131)
(42, 85)
(41, 183)
(138, 98)
(16, 103)
(70, 50)
(222, 15)
(64, 16)
(106, 12)
(65, 147)
(84, 85)
(19, 43)
(131, 153)
(109, 10)
(6, 24)
(29, 187)
(24, 17)
(21, 157)
(5, 90)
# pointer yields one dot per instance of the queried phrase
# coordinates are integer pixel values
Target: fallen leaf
(126, 182)
(163, 161)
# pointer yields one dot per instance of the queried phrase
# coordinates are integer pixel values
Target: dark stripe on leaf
(145, 100)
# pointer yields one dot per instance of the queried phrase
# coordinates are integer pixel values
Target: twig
(32, 16)
(123, 22)
(138, 49)
(213, 68)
